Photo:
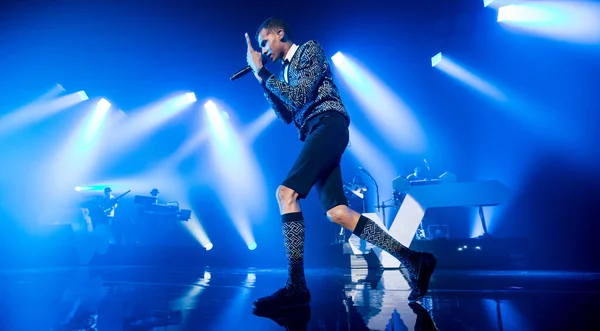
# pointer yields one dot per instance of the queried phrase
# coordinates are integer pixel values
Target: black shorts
(319, 161)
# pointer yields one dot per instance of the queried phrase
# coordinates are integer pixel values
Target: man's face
(270, 43)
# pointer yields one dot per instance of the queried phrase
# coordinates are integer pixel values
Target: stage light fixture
(103, 104)
(436, 59)
(337, 58)
(190, 97)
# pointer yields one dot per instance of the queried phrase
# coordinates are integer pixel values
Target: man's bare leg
(288, 200)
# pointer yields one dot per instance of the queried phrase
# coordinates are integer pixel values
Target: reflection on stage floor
(156, 298)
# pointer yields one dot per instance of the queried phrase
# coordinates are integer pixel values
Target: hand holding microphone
(255, 60)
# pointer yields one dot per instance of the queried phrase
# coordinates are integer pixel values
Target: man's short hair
(274, 23)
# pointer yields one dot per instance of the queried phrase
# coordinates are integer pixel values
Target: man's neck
(286, 49)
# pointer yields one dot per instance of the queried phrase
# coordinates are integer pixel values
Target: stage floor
(150, 298)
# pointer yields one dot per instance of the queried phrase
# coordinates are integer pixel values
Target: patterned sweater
(310, 91)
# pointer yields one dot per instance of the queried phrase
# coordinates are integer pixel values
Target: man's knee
(340, 214)
(286, 196)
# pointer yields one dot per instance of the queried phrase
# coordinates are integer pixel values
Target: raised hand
(253, 57)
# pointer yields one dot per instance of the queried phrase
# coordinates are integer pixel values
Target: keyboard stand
(422, 197)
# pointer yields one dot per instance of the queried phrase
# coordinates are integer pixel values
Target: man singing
(305, 94)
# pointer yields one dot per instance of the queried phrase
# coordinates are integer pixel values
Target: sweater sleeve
(311, 68)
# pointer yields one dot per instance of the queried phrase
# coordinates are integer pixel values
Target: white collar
(290, 53)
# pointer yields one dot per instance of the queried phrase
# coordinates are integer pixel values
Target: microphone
(246, 70)
(365, 171)
(241, 73)
(376, 187)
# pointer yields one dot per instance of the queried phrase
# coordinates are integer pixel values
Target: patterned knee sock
(368, 230)
(293, 235)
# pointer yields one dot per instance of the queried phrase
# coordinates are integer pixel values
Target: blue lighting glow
(571, 21)
(252, 246)
(90, 188)
(95, 122)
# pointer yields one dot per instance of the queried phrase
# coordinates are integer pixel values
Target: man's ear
(281, 34)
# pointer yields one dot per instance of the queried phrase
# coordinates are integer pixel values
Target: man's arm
(283, 111)
(311, 71)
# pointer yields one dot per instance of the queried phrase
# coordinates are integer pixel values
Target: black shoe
(292, 319)
(420, 281)
(282, 299)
